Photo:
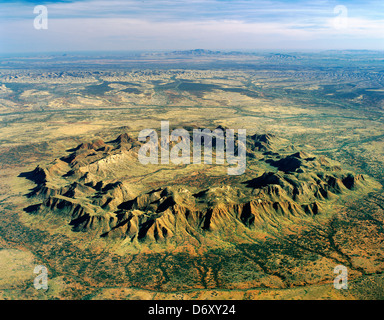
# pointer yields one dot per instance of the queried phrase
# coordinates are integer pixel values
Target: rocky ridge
(80, 188)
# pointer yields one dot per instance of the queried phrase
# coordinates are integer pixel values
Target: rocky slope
(89, 189)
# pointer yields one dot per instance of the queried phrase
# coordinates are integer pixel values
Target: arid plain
(74, 197)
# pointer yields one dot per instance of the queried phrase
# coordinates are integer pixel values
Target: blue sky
(86, 25)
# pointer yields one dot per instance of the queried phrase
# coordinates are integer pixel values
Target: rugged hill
(91, 189)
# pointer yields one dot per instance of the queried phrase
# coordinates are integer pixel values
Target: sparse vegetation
(310, 118)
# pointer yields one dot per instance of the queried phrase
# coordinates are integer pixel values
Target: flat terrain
(328, 104)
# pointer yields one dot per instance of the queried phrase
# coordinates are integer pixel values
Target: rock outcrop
(82, 188)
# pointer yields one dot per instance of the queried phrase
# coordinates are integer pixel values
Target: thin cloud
(163, 24)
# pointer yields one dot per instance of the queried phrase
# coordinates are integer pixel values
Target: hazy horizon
(135, 52)
(163, 25)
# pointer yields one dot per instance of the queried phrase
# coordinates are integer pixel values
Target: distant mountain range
(210, 53)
